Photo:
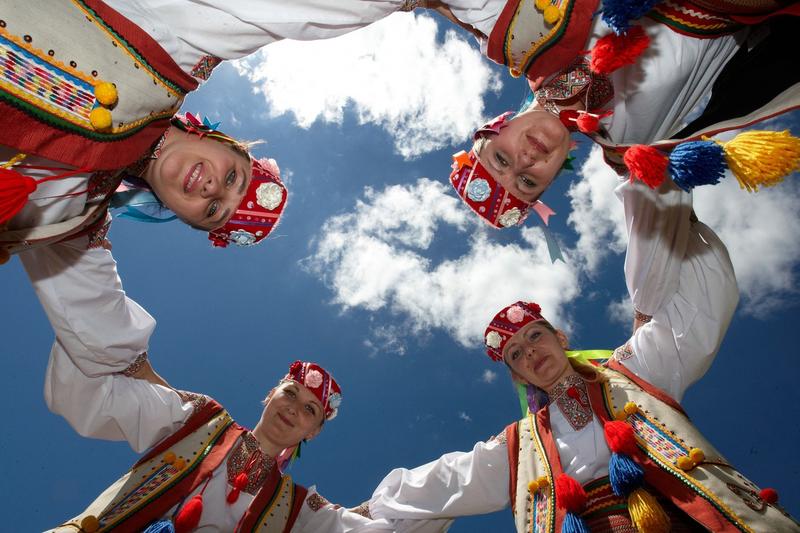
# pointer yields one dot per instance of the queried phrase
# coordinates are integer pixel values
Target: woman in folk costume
(636, 86)
(202, 471)
(198, 173)
(608, 448)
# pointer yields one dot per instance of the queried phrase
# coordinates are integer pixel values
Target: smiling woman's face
(201, 180)
(527, 153)
(292, 413)
(536, 354)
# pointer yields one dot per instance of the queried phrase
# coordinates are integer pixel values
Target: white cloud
(596, 214)
(489, 376)
(464, 416)
(386, 339)
(374, 258)
(426, 94)
(761, 232)
(621, 311)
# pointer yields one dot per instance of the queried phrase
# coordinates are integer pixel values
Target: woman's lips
(537, 145)
(192, 177)
(285, 420)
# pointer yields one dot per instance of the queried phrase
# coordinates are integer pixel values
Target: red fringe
(620, 437)
(614, 51)
(646, 164)
(570, 494)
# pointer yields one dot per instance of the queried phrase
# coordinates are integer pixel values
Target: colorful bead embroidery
(26, 76)
(244, 450)
(134, 367)
(202, 70)
(156, 480)
(656, 438)
(689, 18)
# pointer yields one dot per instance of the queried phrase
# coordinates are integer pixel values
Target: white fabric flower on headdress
(478, 190)
(515, 314)
(510, 217)
(269, 195)
(242, 237)
(314, 379)
(335, 400)
(493, 339)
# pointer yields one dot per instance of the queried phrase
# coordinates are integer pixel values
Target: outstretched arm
(682, 285)
(456, 484)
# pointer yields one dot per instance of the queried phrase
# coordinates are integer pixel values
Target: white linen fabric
(676, 270)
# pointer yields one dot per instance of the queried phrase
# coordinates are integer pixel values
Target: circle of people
(90, 122)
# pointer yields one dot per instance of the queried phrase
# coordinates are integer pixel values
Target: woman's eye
(514, 354)
(212, 209)
(230, 178)
(534, 335)
(500, 159)
(310, 409)
(527, 182)
(290, 393)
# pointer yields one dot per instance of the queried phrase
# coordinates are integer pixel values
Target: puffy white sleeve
(95, 323)
(456, 484)
(679, 273)
(318, 514)
(113, 406)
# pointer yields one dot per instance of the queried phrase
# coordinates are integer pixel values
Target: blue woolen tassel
(625, 474)
(618, 14)
(697, 163)
(574, 524)
(162, 526)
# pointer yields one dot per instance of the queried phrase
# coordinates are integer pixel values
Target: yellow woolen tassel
(762, 158)
(646, 512)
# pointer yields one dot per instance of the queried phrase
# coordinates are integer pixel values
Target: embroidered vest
(712, 492)
(53, 53)
(522, 40)
(179, 465)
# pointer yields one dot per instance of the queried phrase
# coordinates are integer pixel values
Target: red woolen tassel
(189, 516)
(588, 123)
(570, 494)
(14, 191)
(620, 437)
(613, 51)
(647, 164)
(769, 495)
(239, 483)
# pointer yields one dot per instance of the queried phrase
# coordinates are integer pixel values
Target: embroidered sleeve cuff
(641, 317)
(135, 366)
(409, 5)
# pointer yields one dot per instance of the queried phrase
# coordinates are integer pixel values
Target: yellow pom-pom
(646, 512)
(90, 524)
(100, 118)
(685, 463)
(762, 158)
(541, 5)
(551, 14)
(630, 408)
(697, 455)
(533, 486)
(179, 463)
(106, 93)
(169, 457)
(542, 481)
(515, 72)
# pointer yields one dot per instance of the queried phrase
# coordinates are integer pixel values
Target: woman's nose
(210, 187)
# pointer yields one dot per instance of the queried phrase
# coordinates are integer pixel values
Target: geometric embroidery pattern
(34, 80)
(656, 438)
(202, 70)
(156, 479)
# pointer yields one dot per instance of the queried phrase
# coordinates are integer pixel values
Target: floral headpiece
(262, 204)
(506, 323)
(320, 383)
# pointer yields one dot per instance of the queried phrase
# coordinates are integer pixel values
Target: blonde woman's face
(537, 355)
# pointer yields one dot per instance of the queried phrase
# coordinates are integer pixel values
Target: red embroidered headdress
(320, 383)
(506, 323)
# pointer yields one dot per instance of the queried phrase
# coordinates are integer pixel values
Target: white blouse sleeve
(101, 329)
(456, 484)
(114, 406)
(318, 514)
(679, 273)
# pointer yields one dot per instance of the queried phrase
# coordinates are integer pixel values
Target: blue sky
(392, 298)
